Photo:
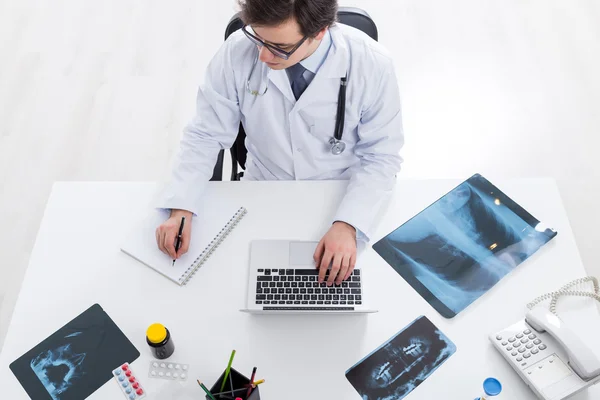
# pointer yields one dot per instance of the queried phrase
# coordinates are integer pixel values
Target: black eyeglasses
(273, 49)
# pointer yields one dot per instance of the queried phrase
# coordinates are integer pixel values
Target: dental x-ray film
(463, 244)
(402, 363)
(76, 360)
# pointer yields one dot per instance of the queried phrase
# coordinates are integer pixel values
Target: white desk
(76, 262)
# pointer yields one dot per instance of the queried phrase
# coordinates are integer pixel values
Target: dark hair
(311, 15)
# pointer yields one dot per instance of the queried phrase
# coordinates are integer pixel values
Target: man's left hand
(338, 249)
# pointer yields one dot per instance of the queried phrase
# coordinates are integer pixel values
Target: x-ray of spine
(462, 245)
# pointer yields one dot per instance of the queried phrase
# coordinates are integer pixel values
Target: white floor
(101, 90)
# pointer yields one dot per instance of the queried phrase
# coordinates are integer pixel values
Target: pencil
(230, 391)
(258, 382)
(206, 390)
(227, 371)
(251, 380)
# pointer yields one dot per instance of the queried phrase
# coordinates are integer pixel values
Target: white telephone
(553, 361)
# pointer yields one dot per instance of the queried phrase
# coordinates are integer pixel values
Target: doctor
(282, 76)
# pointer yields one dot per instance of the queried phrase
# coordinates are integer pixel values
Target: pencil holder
(235, 387)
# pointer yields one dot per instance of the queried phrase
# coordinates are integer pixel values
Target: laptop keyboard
(300, 287)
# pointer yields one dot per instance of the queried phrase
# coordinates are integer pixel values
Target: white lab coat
(289, 139)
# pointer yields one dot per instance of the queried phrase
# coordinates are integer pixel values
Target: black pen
(178, 242)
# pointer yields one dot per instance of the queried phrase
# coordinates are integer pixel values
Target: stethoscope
(336, 143)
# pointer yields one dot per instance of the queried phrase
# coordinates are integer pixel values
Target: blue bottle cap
(492, 387)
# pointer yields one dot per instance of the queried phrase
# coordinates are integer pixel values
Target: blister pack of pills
(168, 370)
(128, 382)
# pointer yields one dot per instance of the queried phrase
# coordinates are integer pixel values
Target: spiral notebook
(209, 230)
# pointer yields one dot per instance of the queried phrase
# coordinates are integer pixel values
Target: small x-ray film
(401, 364)
(76, 360)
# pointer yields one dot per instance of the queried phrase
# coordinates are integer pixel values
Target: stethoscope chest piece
(337, 146)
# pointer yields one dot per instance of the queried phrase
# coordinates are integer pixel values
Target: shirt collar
(316, 59)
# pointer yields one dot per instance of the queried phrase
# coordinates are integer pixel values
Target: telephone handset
(547, 354)
(581, 357)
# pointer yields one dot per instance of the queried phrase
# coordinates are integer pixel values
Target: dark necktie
(299, 84)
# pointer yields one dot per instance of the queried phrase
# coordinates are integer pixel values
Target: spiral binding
(564, 291)
(212, 246)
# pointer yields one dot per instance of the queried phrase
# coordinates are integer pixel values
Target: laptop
(283, 279)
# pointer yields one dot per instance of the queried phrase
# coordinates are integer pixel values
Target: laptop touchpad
(301, 253)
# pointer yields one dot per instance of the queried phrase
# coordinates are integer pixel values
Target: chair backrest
(351, 16)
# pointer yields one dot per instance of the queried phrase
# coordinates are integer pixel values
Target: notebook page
(141, 243)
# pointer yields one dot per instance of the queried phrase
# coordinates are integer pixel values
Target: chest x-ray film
(402, 363)
(463, 244)
(76, 360)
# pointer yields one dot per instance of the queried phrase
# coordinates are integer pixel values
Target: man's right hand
(166, 234)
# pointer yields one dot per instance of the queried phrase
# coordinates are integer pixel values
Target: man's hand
(166, 234)
(338, 248)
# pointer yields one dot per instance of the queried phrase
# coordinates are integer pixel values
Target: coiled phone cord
(566, 290)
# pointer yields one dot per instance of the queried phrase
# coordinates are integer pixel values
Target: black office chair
(351, 16)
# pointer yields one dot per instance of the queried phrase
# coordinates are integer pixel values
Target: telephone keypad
(523, 345)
